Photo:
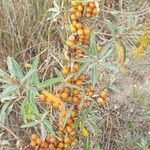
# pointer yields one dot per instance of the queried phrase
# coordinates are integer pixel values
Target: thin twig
(8, 130)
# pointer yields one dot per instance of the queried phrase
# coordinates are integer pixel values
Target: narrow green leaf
(35, 62)
(105, 49)
(30, 124)
(16, 69)
(43, 131)
(9, 91)
(86, 144)
(8, 98)
(28, 75)
(85, 60)
(111, 27)
(10, 67)
(58, 73)
(51, 82)
(3, 112)
(94, 76)
(31, 99)
(109, 66)
(109, 52)
(93, 45)
(91, 126)
(34, 77)
(49, 128)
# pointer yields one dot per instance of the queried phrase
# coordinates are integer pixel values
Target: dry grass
(25, 32)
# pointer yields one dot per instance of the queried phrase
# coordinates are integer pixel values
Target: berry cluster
(80, 33)
(102, 98)
(50, 143)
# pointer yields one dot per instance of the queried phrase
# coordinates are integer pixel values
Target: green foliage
(86, 144)
(23, 87)
(94, 61)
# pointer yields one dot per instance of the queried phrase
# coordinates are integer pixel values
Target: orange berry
(94, 11)
(38, 141)
(75, 92)
(73, 114)
(69, 100)
(80, 32)
(86, 37)
(86, 31)
(67, 90)
(72, 38)
(69, 121)
(72, 133)
(88, 15)
(56, 143)
(76, 66)
(78, 15)
(81, 77)
(65, 70)
(73, 143)
(32, 143)
(88, 90)
(48, 138)
(80, 7)
(103, 95)
(78, 82)
(90, 93)
(44, 145)
(73, 70)
(72, 10)
(74, 16)
(70, 43)
(89, 10)
(75, 99)
(61, 145)
(79, 25)
(91, 88)
(34, 137)
(88, 103)
(74, 22)
(58, 148)
(42, 97)
(52, 140)
(99, 48)
(85, 132)
(73, 28)
(41, 149)
(51, 146)
(91, 4)
(69, 129)
(66, 145)
(81, 40)
(69, 80)
(81, 37)
(64, 96)
(74, 3)
(101, 102)
(55, 105)
(67, 140)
